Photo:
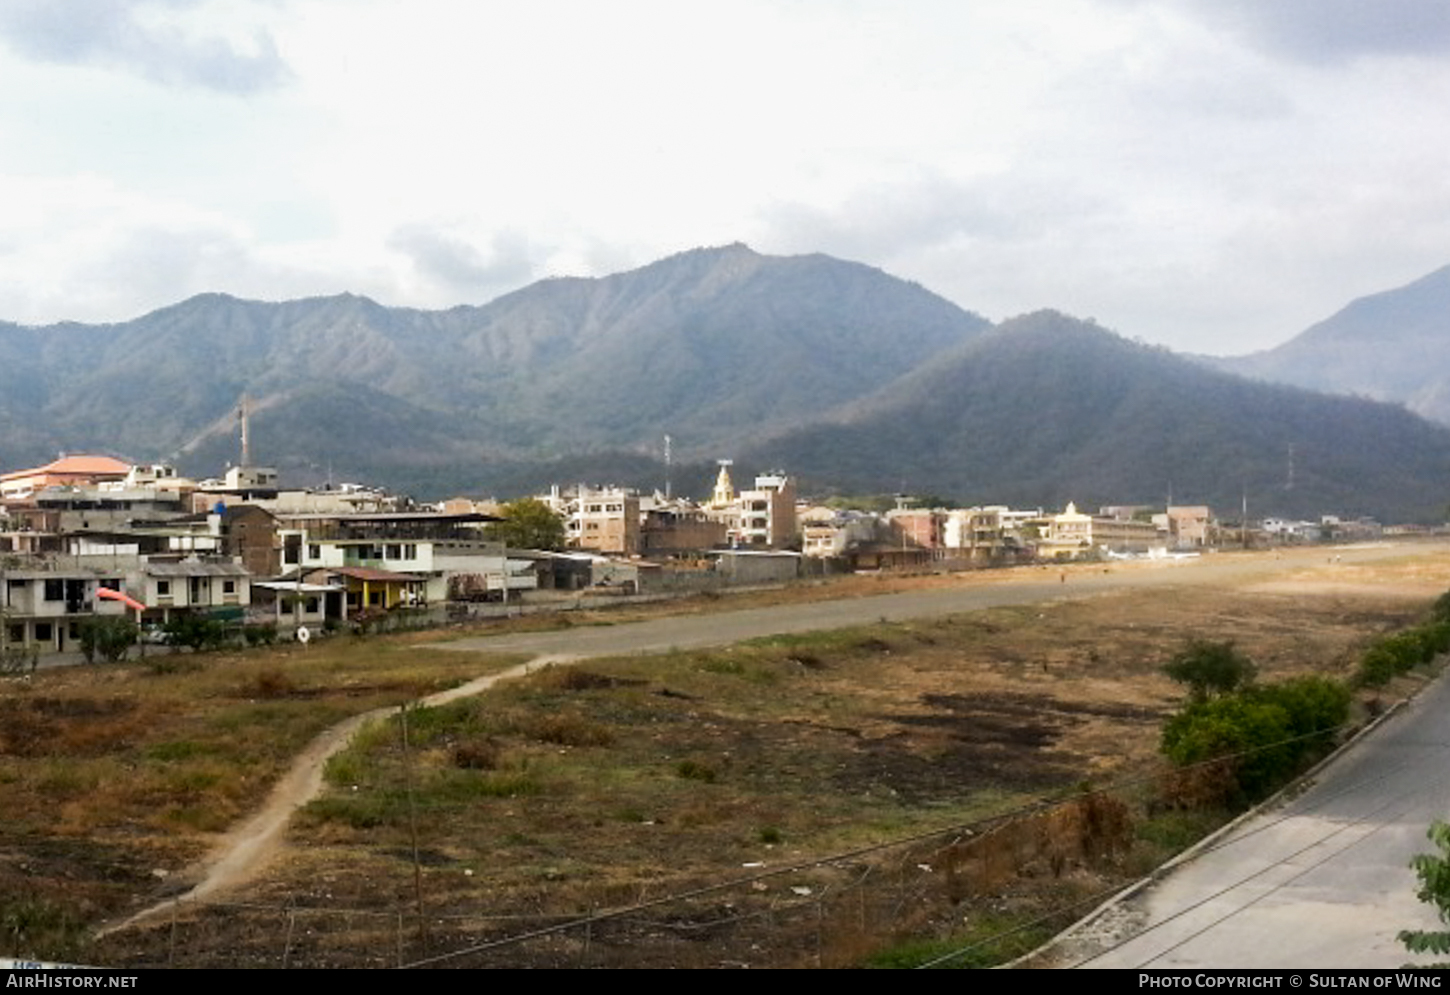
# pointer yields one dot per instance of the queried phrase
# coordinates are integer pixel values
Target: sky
(1210, 175)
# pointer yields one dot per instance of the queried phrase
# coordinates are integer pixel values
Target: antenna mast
(246, 441)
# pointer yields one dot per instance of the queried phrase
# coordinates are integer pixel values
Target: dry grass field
(827, 799)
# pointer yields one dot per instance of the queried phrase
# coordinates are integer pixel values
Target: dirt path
(247, 849)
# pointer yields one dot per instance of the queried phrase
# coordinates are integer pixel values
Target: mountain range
(1389, 346)
(837, 372)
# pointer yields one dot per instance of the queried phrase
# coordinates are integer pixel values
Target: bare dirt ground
(549, 804)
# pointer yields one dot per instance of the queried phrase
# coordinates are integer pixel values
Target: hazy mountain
(834, 371)
(708, 346)
(1048, 409)
(1393, 346)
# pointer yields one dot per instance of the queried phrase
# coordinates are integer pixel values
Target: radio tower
(246, 441)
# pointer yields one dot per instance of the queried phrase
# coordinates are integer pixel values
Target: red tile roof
(83, 466)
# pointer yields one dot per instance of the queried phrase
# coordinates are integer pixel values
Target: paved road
(989, 590)
(1322, 880)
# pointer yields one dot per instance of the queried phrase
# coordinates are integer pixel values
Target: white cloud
(1169, 168)
(1329, 31)
(166, 41)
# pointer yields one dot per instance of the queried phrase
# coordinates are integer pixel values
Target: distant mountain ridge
(1048, 409)
(709, 345)
(835, 371)
(1392, 346)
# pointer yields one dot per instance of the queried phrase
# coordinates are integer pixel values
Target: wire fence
(834, 912)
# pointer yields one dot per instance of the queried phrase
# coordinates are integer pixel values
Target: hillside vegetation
(833, 371)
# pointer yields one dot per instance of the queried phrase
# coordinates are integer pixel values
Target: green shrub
(1210, 668)
(1264, 734)
(1440, 610)
(1252, 737)
(109, 636)
(1315, 706)
(1390, 656)
(196, 632)
(260, 634)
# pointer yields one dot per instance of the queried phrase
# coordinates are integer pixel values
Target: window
(314, 551)
(395, 552)
(229, 587)
(55, 590)
(163, 588)
(43, 632)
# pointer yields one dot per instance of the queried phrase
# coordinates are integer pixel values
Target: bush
(1315, 705)
(477, 753)
(1400, 653)
(196, 632)
(569, 729)
(1264, 734)
(1210, 668)
(1440, 610)
(109, 636)
(16, 660)
(693, 770)
(260, 634)
(1251, 737)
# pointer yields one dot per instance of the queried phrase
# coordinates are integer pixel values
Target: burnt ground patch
(78, 726)
(1031, 706)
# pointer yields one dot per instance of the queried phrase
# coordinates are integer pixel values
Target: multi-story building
(600, 519)
(923, 528)
(671, 526)
(423, 552)
(763, 515)
(43, 604)
(46, 599)
(1073, 533)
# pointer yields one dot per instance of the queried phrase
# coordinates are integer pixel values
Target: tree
(108, 636)
(1210, 669)
(1434, 873)
(195, 631)
(528, 524)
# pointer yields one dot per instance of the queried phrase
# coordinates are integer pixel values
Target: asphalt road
(1321, 880)
(1021, 586)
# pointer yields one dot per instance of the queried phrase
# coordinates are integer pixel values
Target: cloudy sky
(1213, 175)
